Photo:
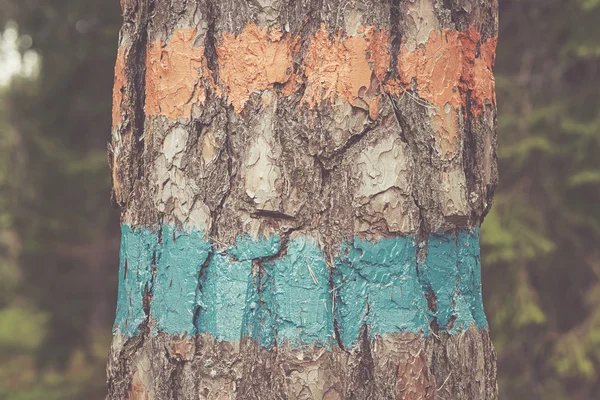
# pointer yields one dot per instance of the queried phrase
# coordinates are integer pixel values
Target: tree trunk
(301, 185)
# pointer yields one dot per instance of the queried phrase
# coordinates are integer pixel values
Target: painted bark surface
(301, 185)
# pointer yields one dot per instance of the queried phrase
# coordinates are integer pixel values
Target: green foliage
(21, 328)
(9, 243)
(540, 241)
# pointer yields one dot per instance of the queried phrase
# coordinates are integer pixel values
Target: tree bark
(301, 185)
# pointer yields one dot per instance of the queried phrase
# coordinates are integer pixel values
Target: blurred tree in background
(541, 251)
(58, 233)
(59, 236)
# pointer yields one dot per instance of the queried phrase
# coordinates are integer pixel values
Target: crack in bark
(336, 327)
(210, 50)
(201, 278)
(365, 370)
(176, 375)
(137, 65)
(228, 148)
(395, 38)
(330, 162)
(272, 214)
(469, 154)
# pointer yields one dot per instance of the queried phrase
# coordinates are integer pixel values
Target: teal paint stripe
(301, 295)
(166, 267)
(378, 284)
(452, 272)
(383, 285)
(259, 318)
(135, 273)
(224, 297)
(469, 264)
(175, 290)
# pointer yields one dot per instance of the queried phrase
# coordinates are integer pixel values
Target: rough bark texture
(324, 119)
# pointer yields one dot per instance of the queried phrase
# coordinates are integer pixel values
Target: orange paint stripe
(447, 66)
(352, 68)
(444, 69)
(256, 59)
(119, 84)
(482, 83)
(173, 73)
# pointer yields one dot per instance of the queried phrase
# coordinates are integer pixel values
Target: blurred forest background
(59, 236)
